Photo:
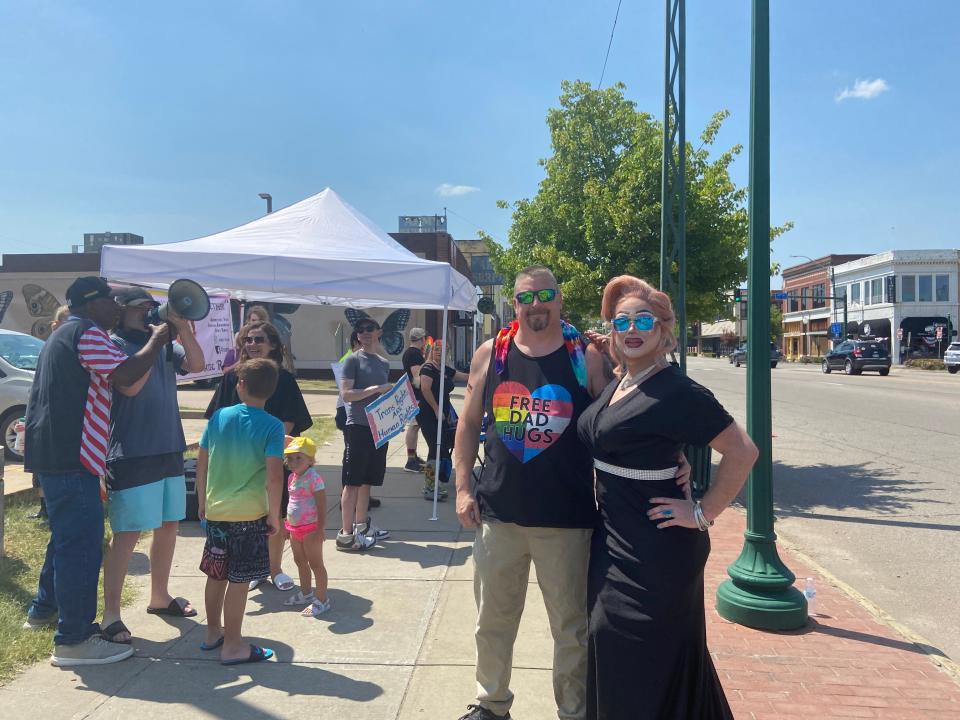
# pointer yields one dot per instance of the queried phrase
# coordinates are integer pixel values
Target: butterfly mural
(6, 297)
(392, 339)
(41, 304)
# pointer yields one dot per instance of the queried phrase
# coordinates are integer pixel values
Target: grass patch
(323, 429)
(307, 385)
(26, 543)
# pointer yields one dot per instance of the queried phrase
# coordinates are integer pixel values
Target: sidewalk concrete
(398, 643)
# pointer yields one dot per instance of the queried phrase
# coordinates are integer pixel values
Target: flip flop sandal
(213, 645)
(283, 582)
(174, 609)
(110, 632)
(299, 599)
(257, 654)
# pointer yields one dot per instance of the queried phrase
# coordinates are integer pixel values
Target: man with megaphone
(145, 478)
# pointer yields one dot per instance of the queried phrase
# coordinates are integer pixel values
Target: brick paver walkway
(846, 663)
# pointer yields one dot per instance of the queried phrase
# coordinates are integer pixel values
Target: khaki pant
(501, 554)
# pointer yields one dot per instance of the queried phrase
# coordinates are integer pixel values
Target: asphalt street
(867, 482)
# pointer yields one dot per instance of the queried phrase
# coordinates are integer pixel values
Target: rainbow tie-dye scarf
(574, 342)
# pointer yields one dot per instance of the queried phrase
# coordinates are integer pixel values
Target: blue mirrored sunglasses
(526, 297)
(644, 322)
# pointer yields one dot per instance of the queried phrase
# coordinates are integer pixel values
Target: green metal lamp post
(760, 591)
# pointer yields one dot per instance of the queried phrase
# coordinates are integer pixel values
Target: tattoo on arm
(469, 387)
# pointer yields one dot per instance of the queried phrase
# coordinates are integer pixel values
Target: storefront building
(809, 312)
(905, 299)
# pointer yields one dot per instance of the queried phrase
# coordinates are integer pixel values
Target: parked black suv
(855, 356)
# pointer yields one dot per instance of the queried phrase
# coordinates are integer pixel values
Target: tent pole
(443, 377)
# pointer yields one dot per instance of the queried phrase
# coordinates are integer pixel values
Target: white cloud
(448, 190)
(864, 90)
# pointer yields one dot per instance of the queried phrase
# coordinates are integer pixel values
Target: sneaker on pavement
(371, 530)
(38, 623)
(92, 651)
(428, 493)
(414, 465)
(476, 712)
(354, 542)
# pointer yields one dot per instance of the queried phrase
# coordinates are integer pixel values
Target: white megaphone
(188, 300)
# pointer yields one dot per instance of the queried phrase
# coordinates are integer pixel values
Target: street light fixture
(760, 590)
(269, 198)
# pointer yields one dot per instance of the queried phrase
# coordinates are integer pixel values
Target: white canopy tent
(319, 251)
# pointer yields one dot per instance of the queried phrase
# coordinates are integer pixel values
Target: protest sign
(388, 414)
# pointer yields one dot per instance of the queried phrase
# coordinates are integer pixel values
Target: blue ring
(667, 513)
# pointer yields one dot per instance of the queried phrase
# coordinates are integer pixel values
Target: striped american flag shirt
(100, 357)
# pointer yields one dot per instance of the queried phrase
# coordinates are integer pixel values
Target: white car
(951, 358)
(18, 362)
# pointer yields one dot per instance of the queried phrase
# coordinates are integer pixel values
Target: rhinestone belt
(633, 473)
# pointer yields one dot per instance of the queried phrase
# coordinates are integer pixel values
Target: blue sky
(167, 119)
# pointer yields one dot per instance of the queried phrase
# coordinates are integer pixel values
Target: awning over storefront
(921, 325)
(879, 329)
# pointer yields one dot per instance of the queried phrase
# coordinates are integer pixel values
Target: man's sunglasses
(644, 322)
(367, 328)
(526, 297)
(254, 340)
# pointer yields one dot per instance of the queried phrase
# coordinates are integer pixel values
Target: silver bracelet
(702, 523)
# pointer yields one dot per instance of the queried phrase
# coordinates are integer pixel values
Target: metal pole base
(760, 593)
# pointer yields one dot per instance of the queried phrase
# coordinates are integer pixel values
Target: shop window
(855, 294)
(926, 288)
(876, 291)
(908, 289)
(943, 288)
(819, 293)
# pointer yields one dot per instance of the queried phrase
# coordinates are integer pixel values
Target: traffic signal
(736, 294)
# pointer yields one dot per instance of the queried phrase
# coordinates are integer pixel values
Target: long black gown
(648, 654)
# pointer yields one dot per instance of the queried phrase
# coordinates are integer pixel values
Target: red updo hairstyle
(628, 286)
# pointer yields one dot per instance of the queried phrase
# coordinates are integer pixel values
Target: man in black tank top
(534, 500)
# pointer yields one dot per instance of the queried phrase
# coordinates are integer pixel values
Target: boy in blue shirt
(239, 486)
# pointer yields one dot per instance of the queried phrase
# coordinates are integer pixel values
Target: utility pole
(760, 590)
(673, 209)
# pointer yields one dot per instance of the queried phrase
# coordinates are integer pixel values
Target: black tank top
(537, 472)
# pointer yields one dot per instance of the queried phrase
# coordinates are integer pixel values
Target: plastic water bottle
(809, 592)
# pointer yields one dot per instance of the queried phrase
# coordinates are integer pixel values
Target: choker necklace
(630, 381)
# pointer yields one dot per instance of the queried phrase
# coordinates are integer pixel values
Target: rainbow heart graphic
(530, 422)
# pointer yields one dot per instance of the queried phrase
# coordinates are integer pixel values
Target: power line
(609, 45)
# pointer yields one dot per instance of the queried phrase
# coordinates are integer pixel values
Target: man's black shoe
(476, 712)
(40, 514)
(374, 502)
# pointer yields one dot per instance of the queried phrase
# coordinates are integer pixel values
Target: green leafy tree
(776, 323)
(596, 213)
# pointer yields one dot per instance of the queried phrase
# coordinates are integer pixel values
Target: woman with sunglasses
(645, 582)
(261, 340)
